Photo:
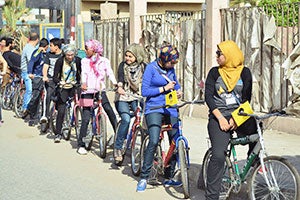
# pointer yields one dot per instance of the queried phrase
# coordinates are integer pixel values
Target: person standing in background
(48, 70)
(25, 57)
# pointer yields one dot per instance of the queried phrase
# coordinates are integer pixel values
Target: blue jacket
(152, 81)
(35, 65)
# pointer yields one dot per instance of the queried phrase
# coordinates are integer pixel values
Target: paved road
(34, 168)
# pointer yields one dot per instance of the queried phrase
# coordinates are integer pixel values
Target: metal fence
(267, 35)
(185, 30)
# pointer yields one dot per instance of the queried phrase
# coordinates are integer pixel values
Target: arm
(147, 89)
(78, 71)
(45, 68)
(57, 70)
(247, 84)
(120, 89)
(4, 63)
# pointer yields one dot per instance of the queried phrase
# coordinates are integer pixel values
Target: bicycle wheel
(136, 144)
(18, 101)
(66, 126)
(53, 114)
(6, 97)
(157, 167)
(182, 153)
(226, 181)
(77, 121)
(102, 133)
(282, 177)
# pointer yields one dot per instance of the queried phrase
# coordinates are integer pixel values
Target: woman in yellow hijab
(226, 86)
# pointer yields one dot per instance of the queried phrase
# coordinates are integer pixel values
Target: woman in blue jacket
(158, 80)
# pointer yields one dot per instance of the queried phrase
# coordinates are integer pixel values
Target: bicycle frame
(174, 142)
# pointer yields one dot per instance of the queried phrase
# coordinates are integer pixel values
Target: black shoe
(31, 123)
(25, 114)
(57, 138)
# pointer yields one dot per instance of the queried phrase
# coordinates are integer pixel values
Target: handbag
(239, 119)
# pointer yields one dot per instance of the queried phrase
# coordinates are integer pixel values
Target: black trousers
(219, 142)
(34, 104)
(63, 96)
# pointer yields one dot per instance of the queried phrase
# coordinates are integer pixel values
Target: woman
(67, 71)
(158, 80)
(94, 70)
(130, 74)
(226, 86)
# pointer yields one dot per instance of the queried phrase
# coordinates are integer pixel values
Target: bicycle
(72, 115)
(134, 137)
(97, 127)
(178, 146)
(268, 177)
(9, 92)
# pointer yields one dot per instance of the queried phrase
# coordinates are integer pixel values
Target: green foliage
(286, 12)
(13, 10)
(238, 2)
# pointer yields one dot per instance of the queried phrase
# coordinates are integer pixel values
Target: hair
(33, 36)
(8, 41)
(69, 47)
(56, 42)
(43, 42)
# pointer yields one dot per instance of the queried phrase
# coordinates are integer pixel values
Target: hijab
(232, 69)
(97, 47)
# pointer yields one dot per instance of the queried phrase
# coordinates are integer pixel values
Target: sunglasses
(219, 53)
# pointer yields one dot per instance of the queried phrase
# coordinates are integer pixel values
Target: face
(220, 57)
(53, 48)
(70, 56)
(129, 58)
(171, 64)
(44, 49)
(2, 44)
(89, 52)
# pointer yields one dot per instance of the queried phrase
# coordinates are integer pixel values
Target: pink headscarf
(97, 47)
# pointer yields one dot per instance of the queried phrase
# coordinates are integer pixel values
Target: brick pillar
(137, 8)
(213, 30)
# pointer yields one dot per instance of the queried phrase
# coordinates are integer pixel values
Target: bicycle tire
(18, 101)
(157, 167)
(78, 119)
(136, 144)
(53, 114)
(66, 126)
(6, 97)
(287, 179)
(182, 153)
(226, 180)
(102, 135)
(203, 173)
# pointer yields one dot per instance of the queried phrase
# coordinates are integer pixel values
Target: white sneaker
(82, 151)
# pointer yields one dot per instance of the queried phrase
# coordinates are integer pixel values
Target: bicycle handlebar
(265, 116)
(178, 105)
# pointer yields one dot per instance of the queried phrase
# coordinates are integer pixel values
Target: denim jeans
(28, 91)
(123, 109)
(154, 122)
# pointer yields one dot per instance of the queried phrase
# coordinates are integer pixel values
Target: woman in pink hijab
(95, 69)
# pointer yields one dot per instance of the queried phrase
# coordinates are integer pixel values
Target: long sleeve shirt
(35, 65)
(92, 81)
(217, 96)
(152, 81)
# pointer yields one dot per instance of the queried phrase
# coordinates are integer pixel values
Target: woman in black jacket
(67, 72)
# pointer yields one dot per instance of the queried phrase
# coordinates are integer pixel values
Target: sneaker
(57, 138)
(141, 186)
(25, 114)
(82, 151)
(43, 120)
(171, 182)
(118, 155)
(31, 123)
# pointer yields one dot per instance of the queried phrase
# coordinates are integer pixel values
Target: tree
(13, 10)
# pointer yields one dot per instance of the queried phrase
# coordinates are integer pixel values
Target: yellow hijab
(232, 69)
